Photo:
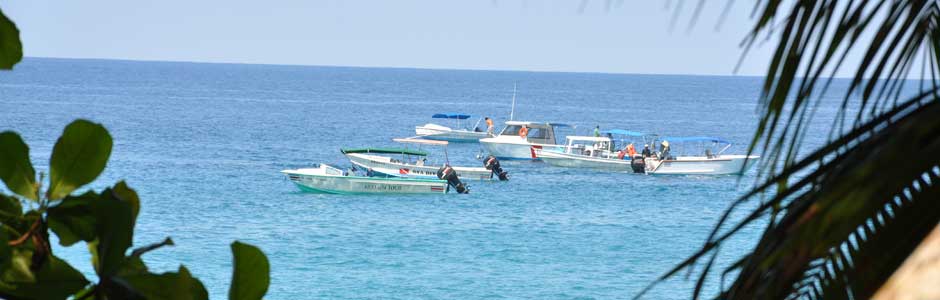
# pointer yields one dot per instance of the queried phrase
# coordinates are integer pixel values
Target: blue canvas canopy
(623, 132)
(451, 116)
(672, 139)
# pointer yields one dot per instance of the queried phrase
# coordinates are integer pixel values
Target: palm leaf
(842, 217)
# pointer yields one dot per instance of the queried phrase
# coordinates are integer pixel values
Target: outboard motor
(638, 164)
(448, 173)
(492, 164)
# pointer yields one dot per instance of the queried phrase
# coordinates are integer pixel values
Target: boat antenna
(513, 109)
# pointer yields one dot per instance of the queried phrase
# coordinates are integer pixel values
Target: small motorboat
(711, 163)
(409, 163)
(460, 134)
(598, 152)
(585, 152)
(327, 179)
(520, 140)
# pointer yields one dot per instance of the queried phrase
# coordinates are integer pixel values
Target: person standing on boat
(646, 150)
(631, 150)
(664, 149)
(597, 131)
(489, 126)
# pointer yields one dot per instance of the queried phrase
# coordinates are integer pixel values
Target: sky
(618, 36)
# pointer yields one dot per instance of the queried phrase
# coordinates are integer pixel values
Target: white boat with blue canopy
(709, 161)
(598, 152)
(327, 179)
(458, 133)
(520, 140)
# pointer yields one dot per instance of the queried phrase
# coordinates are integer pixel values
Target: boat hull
(580, 161)
(511, 150)
(722, 165)
(366, 185)
(385, 166)
(441, 133)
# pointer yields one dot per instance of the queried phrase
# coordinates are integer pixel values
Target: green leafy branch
(103, 220)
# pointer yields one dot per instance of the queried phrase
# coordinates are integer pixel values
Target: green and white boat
(327, 179)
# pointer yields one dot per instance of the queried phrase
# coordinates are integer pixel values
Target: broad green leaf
(55, 280)
(74, 219)
(78, 157)
(250, 277)
(11, 50)
(128, 194)
(166, 286)
(115, 231)
(6, 253)
(10, 208)
(15, 169)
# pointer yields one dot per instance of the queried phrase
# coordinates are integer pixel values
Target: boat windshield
(538, 133)
(511, 130)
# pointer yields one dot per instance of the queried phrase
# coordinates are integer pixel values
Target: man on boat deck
(597, 131)
(664, 149)
(646, 150)
(489, 126)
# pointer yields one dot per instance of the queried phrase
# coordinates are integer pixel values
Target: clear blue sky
(633, 36)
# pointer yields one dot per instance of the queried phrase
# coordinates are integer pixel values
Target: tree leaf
(128, 194)
(115, 231)
(10, 208)
(11, 50)
(73, 219)
(55, 280)
(169, 286)
(78, 157)
(15, 169)
(250, 277)
(6, 253)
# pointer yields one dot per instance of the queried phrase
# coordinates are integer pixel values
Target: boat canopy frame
(402, 151)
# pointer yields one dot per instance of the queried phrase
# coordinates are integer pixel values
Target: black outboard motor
(448, 173)
(638, 164)
(492, 164)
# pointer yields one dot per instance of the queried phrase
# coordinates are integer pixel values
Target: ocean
(203, 145)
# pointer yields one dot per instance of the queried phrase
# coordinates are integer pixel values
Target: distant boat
(591, 152)
(585, 152)
(711, 163)
(327, 179)
(408, 163)
(433, 131)
(510, 144)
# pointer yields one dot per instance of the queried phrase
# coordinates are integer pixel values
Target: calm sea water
(203, 144)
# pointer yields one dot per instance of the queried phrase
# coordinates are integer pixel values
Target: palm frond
(843, 217)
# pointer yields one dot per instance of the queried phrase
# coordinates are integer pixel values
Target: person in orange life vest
(524, 131)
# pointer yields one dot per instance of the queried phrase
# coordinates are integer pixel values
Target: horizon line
(388, 67)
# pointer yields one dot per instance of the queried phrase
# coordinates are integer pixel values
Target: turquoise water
(203, 144)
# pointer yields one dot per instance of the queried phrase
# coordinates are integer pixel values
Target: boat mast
(513, 109)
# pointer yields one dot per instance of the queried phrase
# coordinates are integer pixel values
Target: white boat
(327, 179)
(586, 152)
(511, 144)
(410, 163)
(709, 164)
(433, 131)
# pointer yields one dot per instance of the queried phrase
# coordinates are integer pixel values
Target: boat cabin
(588, 145)
(537, 133)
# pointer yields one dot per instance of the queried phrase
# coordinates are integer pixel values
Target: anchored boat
(413, 163)
(520, 140)
(597, 152)
(712, 163)
(457, 134)
(327, 179)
